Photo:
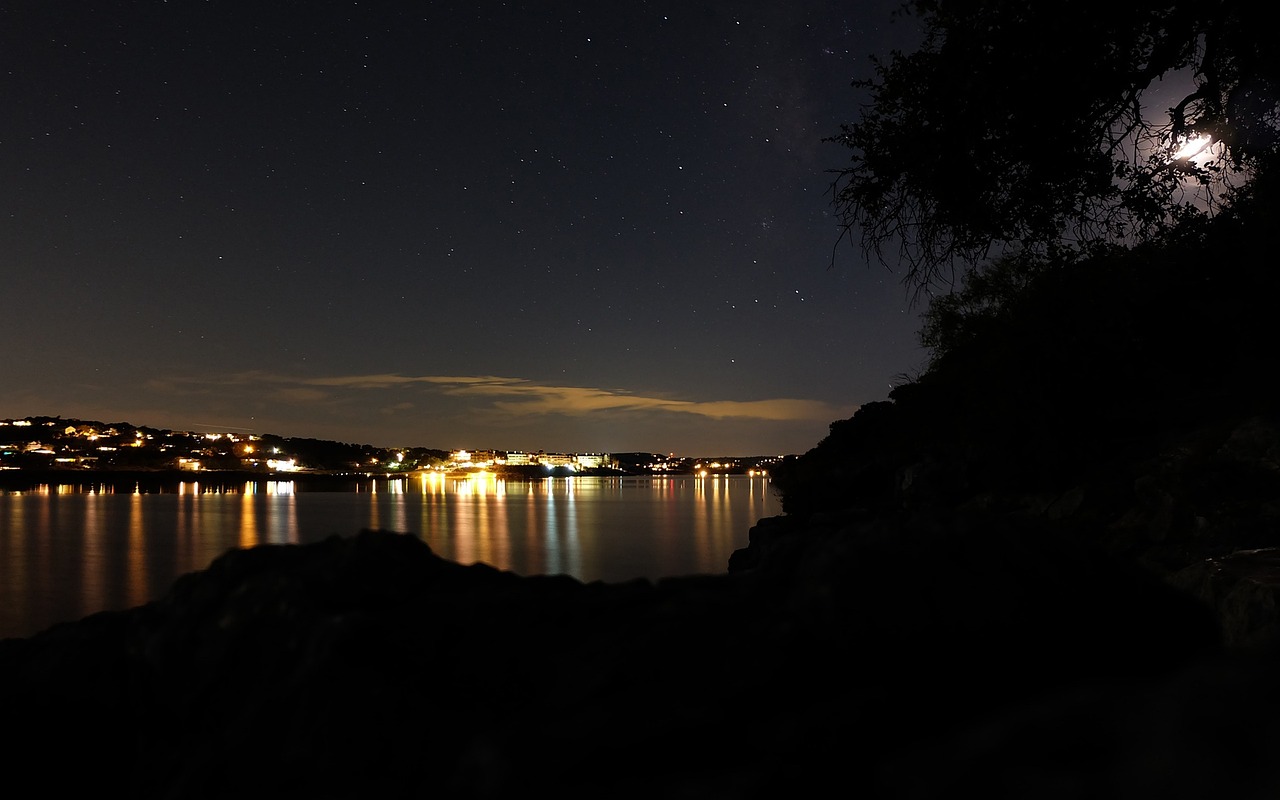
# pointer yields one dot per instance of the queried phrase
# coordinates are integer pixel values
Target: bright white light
(1192, 148)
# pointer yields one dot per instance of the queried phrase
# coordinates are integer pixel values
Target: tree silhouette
(1036, 128)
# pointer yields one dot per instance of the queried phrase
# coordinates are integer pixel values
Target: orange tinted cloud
(523, 397)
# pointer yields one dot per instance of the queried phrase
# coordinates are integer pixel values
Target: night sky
(577, 227)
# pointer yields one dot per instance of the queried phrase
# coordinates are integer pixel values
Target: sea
(68, 551)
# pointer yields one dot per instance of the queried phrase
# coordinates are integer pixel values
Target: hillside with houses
(66, 448)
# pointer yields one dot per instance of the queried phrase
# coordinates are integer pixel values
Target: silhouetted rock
(851, 648)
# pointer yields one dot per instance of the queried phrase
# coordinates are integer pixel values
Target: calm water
(68, 551)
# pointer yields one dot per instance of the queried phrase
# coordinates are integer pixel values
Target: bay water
(68, 551)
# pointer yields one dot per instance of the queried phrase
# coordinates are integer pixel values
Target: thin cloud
(299, 394)
(524, 397)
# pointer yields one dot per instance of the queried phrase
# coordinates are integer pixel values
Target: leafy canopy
(1038, 128)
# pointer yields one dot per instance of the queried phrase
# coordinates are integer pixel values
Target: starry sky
(568, 226)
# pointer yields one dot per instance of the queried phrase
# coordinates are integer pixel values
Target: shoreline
(158, 480)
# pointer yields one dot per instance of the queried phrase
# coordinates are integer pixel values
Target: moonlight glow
(1192, 149)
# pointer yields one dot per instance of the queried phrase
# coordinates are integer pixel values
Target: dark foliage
(1036, 125)
(1078, 368)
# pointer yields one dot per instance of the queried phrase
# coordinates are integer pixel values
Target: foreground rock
(891, 658)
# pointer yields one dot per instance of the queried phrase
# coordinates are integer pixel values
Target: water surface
(69, 551)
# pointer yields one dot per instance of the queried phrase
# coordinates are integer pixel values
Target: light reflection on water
(68, 551)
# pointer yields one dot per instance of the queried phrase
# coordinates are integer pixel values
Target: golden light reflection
(13, 567)
(215, 526)
(94, 581)
(573, 547)
(462, 536)
(716, 507)
(613, 528)
(434, 517)
(137, 551)
(248, 521)
(551, 530)
(537, 563)
(186, 527)
(482, 533)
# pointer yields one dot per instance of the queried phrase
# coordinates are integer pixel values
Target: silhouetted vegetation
(1048, 128)
(1132, 307)
(1077, 368)
(324, 454)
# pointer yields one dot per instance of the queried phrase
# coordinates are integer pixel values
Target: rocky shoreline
(915, 656)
